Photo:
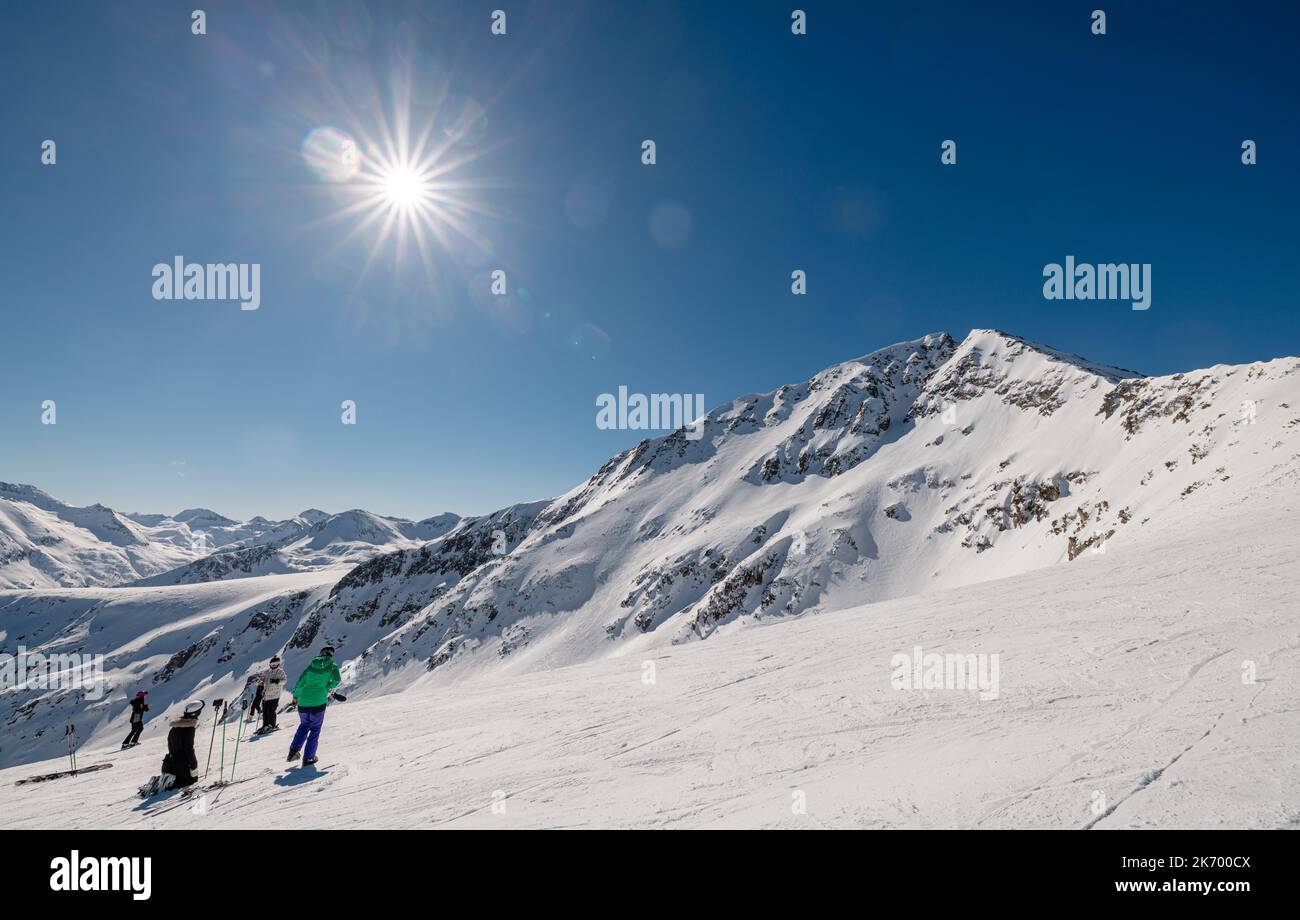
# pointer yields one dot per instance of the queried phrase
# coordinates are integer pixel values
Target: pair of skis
(93, 768)
(70, 736)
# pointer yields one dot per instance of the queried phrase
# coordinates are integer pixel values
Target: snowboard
(46, 776)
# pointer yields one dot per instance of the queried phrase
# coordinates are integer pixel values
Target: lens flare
(331, 154)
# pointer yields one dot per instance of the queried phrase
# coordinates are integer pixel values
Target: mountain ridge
(48, 543)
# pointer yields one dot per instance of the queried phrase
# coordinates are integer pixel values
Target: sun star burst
(401, 186)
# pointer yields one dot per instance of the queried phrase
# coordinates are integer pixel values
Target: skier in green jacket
(312, 693)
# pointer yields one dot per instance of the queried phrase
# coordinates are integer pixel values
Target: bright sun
(403, 188)
(406, 185)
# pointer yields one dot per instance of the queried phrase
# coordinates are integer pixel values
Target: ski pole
(242, 707)
(221, 775)
(216, 717)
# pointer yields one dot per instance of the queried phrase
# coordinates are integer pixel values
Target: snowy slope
(1122, 704)
(927, 466)
(198, 629)
(174, 642)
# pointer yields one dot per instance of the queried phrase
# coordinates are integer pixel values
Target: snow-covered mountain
(46, 543)
(300, 545)
(926, 466)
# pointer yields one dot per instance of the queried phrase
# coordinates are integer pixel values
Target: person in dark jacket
(255, 707)
(181, 761)
(312, 693)
(138, 708)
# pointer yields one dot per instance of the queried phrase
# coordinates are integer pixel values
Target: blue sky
(817, 152)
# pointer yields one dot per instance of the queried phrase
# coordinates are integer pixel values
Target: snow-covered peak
(27, 493)
(203, 517)
(1018, 372)
(353, 526)
(936, 344)
(994, 345)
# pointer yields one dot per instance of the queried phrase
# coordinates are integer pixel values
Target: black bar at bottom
(1226, 869)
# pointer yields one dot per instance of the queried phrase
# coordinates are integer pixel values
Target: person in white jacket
(273, 680)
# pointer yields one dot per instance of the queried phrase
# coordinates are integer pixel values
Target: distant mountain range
(45, 543)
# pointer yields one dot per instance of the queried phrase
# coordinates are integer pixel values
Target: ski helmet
(142, 693)
(275, 659)
(328, 651)
(193, 708)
